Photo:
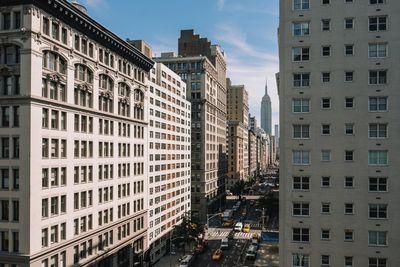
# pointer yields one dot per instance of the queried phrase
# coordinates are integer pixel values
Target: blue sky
(245, 29)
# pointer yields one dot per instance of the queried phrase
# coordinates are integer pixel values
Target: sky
(245, 29)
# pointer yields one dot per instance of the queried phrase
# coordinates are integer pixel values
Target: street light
(210, 216)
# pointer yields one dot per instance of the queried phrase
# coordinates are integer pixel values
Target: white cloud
(220, 4)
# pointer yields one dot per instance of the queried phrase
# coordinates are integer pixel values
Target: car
(254, 242)
(228, 223)
(246, 228)
(255, 236)
(217, 255)
(251, 252)
(238, 227)
(224, 243)
(186, 261)
(231, 234)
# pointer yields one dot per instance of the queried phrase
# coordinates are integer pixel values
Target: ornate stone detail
(124, 100)
(107, 94)
(55, 77)
(87, 87)
(138, 105)
(5, 70)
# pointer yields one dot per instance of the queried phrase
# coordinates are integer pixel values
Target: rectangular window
(377, 104)
(6, 21)
(301, 183)
(301, 79)
(300, 157)
(348, 155)
(377, 262)
(301, 105)
(348, 182)
(348, 208)
(377, 211)
(326, 25)
(301, 260)
(301, 234)
(377, 130)
(378, 157)
(348, 235)
(325, 155)
(349, 50)
(349, 129)
(301, 4)
(377, 77)
(325, 181)
(348, 23)
(325, 208)
(378, 184)
(377, 50)
(377, 238)
(325, 260)
(55, 31)
(326, 50)
(325, 103)
(326, 77)
(301, 28)
(301, 131)
(377, 2)
(349, 102)
(301, 53)
(301, 209)
(325, 129)
(325, 234)
(348, 76)
(378, 23)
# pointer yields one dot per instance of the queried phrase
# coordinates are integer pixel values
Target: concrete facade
(338, 85)
(77, 95)
(204, 72)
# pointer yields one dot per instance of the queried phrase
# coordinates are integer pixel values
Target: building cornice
(66, 12)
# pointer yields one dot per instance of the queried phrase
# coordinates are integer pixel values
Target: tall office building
(237, 133)
(73, 139)
(266, 112)
(169, 156)
(338, 89)
(202, 66)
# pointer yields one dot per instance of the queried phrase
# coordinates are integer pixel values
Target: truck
(227, 214)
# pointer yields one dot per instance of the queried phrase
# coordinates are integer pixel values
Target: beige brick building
(338, 89)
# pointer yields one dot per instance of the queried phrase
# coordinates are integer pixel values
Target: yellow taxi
(246, 228)
(217, 255)
(228, 223)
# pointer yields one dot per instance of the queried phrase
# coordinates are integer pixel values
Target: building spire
(266, 86)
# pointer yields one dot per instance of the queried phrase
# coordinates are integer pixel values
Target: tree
(238, 188)
(186, 231)
(270, 203)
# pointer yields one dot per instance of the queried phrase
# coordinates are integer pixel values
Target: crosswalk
(223, 233)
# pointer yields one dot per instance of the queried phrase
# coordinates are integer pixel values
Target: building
(169, 156)
(202, 66)
(73, 139)
(338, 90)
(237, 138)
(266, 112)
(252, 140)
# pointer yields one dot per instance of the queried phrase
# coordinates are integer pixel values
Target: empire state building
(266, 112)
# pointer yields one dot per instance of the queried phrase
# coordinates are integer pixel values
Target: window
(301, 183)
(301, 209)
(325, 155)
(349, 50)
(301, 131)
(325, 234)
(326, 77)
(348, 182)
(349, 102)
(55, 31)
(5, 147)
(301, 79)
(348, 23)
(348, 208)
(325, 181)
(326, 50)
(301, 4)
(326, 2)
(377, 184)
(377, 211)
(377, 77)
(301, 260)
(348, 155)
(348, 76)
(301, 53)
(325, 208)
(377, 157)
(377, 238)
(54, 62)
(377, 104)
(325, 129)
(301, 234)
(45, 237)
(348, 235)
(377, 2)
(377, 130)
(377, 262)
(301, 157)
(378, 23)
(301, 28)
(301, 105)
(325, 260)
(349, 129)
(325, 103)
(377, 50)
(6, 21)
(326, 24)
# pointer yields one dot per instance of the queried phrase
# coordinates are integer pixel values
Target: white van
(186, 261)
(238, 226)
(224, 243)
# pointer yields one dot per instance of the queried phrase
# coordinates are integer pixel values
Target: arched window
(138, 96)
(105, 82)
(83, 74)
(123, 100)
(123, 89)
(138, 110)
(54, 62)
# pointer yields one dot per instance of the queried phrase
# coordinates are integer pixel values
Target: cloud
(220, 4)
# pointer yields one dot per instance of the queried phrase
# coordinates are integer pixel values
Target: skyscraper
(266, 113)
(339, 109)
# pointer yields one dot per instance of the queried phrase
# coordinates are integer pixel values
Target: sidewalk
(268, 255)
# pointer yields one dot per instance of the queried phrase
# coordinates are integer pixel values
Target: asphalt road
(234, 256)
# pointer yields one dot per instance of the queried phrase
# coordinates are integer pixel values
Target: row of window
(375, 24)
(305, 4)
(375, 50)
(303, 260)
(375, 211)
(375, 184)
(375, 77)
(375, 157)
(375, 130)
